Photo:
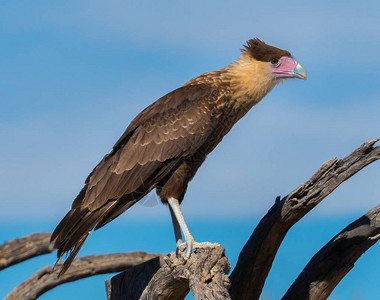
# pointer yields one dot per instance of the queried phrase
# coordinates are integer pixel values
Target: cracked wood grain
(256, 258)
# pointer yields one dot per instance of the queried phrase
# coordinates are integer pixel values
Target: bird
(166, 143)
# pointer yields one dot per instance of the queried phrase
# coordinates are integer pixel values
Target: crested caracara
(167, 142)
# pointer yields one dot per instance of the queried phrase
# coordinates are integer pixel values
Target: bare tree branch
(205, 274)
(327, 268)
(47, 278)
(255, 260)
(131, 283)
(18, 250)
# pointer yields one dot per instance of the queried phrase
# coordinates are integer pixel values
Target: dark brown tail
(72, 231)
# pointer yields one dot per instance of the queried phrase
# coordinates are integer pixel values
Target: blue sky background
(75, 73)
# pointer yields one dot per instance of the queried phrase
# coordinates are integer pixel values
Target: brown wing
(172, 128)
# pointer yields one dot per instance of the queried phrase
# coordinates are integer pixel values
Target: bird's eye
(274, 60)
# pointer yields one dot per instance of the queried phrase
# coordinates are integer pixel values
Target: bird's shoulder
(189, 102)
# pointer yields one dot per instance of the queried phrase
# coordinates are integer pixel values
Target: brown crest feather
(263, 52)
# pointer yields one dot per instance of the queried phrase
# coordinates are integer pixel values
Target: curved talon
(182, 247)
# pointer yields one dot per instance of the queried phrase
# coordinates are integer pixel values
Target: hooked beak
(299, 72)
(288, 67)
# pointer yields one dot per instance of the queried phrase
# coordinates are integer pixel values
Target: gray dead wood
(256, 258)
(18, 250)
(131, 283)
(205, 274)
(327, 268)
(47, 278)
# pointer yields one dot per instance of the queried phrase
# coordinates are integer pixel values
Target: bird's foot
(191, 244)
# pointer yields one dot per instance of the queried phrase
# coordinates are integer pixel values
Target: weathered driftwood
(131, 283)
(47, 278)
(257, 256)
(255, 260)
(18, 250)
(205, 274)
(327, 268)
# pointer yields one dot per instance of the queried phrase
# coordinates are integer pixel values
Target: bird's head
(279, 63)
(259, 69)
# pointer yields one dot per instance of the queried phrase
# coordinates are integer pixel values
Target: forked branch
(256, 258)
(205, 273)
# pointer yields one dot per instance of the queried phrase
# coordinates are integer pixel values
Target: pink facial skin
(288, 67)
